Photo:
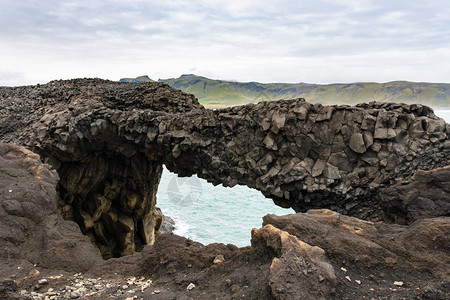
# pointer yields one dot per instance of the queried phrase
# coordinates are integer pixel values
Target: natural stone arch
(299, 154)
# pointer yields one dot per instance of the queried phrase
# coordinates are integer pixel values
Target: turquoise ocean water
(213, 214)
(216, 214)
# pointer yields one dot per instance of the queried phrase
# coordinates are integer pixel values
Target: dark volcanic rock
(366, 244)
(8, 290)
(110, 191)
(168, 225)
(23, 106)
(316, 255)
(299, 271)
(277, 266)
(108, 142)
(113, 200)
(427, 195)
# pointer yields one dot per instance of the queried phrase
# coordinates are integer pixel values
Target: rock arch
(109, 140)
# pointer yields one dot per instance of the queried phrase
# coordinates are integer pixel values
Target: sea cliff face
(107, 142)
(110, 190)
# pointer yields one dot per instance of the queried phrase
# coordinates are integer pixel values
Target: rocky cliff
(316, 255)
(109, 193)
(108, 142)
(105, 143)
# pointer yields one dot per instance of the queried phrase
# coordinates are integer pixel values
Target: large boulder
(298, 270)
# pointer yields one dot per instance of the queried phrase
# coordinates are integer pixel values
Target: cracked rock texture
(293, 260)
(376, 253)
(426, 195)
(111, 194)
(320, 254)
(301, 155)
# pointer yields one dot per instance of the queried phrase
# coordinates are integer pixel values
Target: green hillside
(220, 92)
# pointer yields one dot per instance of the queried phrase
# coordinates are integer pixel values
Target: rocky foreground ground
(401, 252)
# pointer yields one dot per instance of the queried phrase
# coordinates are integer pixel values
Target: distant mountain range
(221, 92)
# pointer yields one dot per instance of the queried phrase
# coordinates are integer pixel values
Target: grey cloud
(217, 31)
(63, 20)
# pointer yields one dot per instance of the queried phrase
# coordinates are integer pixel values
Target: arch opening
(213, 214)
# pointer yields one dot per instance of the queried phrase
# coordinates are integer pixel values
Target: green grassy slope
(210, 91)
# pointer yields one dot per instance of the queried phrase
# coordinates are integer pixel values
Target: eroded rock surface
(299, 271)
(113, 200)
(375, 255)
(32, 231)
(427, 195)
(371, 245)
(316, 255)
(301, 155)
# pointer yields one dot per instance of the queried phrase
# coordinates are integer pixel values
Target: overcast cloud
(316, 41)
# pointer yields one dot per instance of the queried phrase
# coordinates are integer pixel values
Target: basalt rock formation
(109, 193)
(315, 255)
(427, 195)
(108, 142)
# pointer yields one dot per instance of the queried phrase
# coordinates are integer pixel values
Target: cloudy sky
(315, 41)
